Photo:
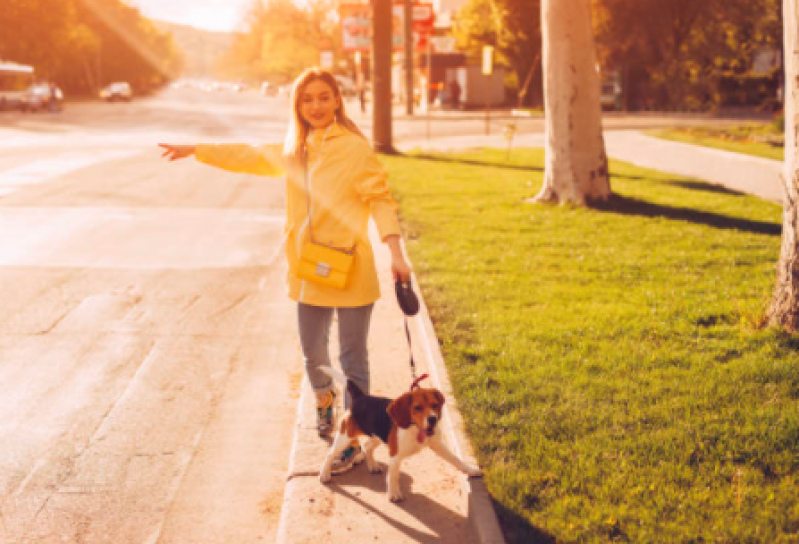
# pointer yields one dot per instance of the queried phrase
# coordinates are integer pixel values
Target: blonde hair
(294, 145)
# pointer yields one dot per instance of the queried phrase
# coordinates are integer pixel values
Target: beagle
(407, 424)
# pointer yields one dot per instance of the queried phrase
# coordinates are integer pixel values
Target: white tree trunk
(784, 310)
(576, 168)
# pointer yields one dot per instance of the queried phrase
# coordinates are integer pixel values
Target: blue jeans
(353, 330)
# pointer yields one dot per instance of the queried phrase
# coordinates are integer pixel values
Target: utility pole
(408, 56)
(382, 139)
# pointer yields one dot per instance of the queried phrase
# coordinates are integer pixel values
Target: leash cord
(416, 380)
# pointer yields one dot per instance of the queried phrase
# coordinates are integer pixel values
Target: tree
(575, 162)
(675, 54)
(282, 40)
(81, 44)
(784, 309)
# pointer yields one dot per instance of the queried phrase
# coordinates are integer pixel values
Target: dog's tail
(343, 381)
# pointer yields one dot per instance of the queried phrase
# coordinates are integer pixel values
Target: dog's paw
(375, 469)
(473, 472)
(324, 476)
(395, 495)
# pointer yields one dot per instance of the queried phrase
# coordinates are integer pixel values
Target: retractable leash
(409, 305)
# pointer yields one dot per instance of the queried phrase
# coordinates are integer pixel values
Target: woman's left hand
(401, 269)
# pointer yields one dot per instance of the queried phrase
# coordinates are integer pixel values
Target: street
(149, 366)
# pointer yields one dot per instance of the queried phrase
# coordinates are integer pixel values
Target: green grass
(748, 139)
(609, 363)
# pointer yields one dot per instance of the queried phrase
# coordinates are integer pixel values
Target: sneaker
(324, 416)
(347, 460)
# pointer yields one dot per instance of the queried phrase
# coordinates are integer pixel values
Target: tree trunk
(382, 19)
(784, 310)
(576, 167)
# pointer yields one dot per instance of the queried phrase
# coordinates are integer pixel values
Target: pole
(429, 81)
(382, 139)
(409, 57)
(488, 106)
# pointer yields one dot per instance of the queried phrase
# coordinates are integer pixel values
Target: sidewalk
(441, 504)
(743, 173)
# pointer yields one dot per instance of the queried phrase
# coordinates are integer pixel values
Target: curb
(481, 516)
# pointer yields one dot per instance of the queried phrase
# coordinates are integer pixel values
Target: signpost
(488, 69)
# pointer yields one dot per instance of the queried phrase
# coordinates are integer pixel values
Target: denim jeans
(353, 331)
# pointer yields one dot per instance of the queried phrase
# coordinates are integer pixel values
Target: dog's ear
(439, 397)
(400, 410)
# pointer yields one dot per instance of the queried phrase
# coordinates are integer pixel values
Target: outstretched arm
(175, 152)
(265, 160)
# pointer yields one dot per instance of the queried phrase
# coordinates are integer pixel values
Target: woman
(334, 183)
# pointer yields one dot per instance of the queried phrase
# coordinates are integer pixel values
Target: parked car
(117, 91)
(267, 89)
(42, 96)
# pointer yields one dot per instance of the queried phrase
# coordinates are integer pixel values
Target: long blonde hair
(294, 145)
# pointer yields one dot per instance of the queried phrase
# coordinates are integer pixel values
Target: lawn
(610, 364)
(764, 141)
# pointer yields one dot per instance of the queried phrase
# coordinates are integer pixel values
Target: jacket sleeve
(372, 187)
(264, 160)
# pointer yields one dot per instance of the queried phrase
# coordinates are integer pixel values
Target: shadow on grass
(682, 183)
(700, 186)
(631, 206)
(461, 160)
(519, 530)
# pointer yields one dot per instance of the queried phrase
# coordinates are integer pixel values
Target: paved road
(148, 378)
(148, 359)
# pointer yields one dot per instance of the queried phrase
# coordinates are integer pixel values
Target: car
(119, 90)
(267, 89)
(41, 96)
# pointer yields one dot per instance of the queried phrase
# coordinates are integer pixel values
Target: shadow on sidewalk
(632, 206)
(433, 515)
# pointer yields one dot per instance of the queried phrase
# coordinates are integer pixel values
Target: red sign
(356, 25)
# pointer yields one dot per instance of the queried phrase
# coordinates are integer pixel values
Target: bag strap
(307, 172)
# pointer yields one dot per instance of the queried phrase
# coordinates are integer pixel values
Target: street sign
(488, 60)
(356, 25)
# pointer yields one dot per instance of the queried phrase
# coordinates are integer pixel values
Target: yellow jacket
(348, 184)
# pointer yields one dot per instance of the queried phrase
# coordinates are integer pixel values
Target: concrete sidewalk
(441, 504)
(743, 173)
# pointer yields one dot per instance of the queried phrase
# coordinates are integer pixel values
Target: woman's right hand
(175, 152)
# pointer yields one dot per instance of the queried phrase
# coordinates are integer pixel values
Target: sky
(218, 15)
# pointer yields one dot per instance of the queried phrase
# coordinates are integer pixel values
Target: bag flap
(337, 260)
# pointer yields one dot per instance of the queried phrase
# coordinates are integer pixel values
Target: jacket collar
(319, 135)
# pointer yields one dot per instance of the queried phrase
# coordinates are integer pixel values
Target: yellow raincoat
(347, 185)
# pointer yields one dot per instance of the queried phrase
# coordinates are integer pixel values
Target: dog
(407, 425)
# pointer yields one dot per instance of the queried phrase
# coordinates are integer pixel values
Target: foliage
(608, 362)
(281, 40)
(673, 54)
(513, 27)
(84, 44)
